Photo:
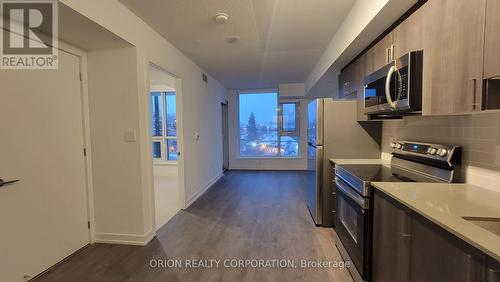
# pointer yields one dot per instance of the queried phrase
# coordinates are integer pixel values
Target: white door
(43, 217)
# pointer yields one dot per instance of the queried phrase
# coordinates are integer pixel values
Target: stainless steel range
(411, 162)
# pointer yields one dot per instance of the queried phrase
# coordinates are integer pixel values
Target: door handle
(7, 181)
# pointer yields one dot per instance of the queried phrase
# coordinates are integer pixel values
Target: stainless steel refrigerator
(334, 132)
(315, 158)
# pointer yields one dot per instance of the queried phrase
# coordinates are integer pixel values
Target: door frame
(82, 55)
(225, 138)
(181, 201)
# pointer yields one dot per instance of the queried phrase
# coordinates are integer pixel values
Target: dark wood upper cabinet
(348, 81)
(352, 85)
(391, 240)
(492, 40)
(379, 55)
(453, 55)
(409, 35)
(360, 84)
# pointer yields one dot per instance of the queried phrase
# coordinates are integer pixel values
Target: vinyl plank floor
(245, 215)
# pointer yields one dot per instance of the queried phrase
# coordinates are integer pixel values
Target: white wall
(200, 113)
(112, 76)
(292, 90)
(235, 162)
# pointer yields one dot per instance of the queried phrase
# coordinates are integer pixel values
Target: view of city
(259, 132)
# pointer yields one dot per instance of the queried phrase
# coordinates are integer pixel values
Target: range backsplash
(478, 134)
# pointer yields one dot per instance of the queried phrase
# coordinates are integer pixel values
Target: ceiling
(280, 41)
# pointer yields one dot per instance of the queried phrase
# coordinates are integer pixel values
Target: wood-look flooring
(245, 215)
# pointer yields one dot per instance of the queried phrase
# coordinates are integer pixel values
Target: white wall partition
(200, 113)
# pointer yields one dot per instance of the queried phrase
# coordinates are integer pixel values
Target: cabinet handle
(405, 226)
(473, 90)
(492, 275)
(473, 267)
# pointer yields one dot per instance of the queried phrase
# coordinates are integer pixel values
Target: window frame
(280, 132)
(163, 139)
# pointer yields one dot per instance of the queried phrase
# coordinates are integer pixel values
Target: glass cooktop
(375, 173)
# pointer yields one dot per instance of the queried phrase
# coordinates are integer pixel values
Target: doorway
(164, 143)
(225, 136)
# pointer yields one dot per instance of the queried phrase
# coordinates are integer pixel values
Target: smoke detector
(221, 18)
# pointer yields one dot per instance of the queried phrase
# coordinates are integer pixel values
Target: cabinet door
(492, 41)
(409, 35)
(492, 270)
(348, 81)
(438, 256)
(391, 240)
(453, 61)
(379, 55)
(360, 85)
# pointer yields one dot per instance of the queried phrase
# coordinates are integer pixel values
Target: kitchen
(362, 146)
(430, 79)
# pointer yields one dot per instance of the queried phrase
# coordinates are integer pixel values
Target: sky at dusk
(263, 105)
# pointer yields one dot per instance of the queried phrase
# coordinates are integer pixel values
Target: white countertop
(359, 161)
(446, 204)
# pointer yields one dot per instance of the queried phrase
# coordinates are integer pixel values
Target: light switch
(130, 135)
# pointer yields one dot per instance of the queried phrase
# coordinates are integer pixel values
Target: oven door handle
(391, 103)
(351, 194)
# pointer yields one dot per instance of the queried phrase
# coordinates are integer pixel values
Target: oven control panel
(426, 150)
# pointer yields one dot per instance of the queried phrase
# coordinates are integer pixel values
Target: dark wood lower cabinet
(409, 247)
(391, 240)
(438, 256)
(492, 271)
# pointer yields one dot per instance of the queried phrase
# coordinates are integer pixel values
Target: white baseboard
(195, 197)
(125, 239)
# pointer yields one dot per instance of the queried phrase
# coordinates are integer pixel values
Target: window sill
(165, 163)
(269, 158)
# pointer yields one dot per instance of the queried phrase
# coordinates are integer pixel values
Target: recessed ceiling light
(232, 39)
(221, 18)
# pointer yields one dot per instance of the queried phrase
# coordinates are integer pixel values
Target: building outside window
(164, 126)
(268, 128)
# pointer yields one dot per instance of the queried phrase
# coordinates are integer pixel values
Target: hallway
(245, 215)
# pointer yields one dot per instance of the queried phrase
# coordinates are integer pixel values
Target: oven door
(353, 226)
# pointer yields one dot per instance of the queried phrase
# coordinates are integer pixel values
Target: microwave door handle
(391, 103)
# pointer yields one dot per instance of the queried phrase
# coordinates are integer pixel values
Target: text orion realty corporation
(29, 36)
(246, 263)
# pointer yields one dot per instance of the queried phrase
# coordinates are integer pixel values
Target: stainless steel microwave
(395, 89)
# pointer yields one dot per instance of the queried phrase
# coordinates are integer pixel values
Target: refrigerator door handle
(319, 184)
(320, 122)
